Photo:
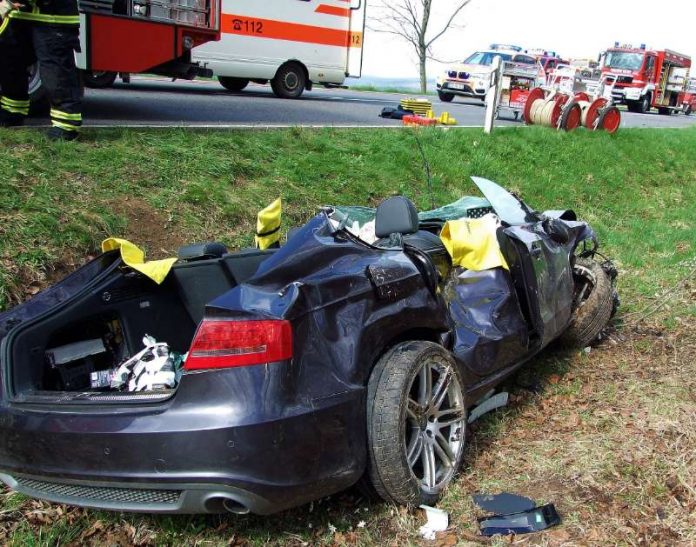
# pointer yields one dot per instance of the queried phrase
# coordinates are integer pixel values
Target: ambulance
(291, 44)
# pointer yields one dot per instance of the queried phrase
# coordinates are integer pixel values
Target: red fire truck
(646, 78)
(688, 98)
(132, 36)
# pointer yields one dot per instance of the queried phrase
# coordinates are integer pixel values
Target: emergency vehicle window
(624, 59)
(486, 58)
(650, 64)
(524, 60)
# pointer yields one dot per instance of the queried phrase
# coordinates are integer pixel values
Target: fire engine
(132, 36)
(646, 78)
(291, 44)
(549, 59)
(688, 98)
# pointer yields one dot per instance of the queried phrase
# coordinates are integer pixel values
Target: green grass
(636, 188)
(163, 188)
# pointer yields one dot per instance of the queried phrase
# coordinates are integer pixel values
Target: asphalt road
(155, 102)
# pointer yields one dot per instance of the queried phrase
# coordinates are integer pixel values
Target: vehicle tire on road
(98, 80)
(233, 84)
(416, 423)
(290, 81)
(644, 104)
(594, 304)
(445, 97)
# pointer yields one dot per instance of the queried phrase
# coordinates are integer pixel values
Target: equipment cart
(517, 80)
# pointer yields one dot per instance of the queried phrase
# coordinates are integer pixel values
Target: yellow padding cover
(472, 243)
(268, 225)
(134, 257)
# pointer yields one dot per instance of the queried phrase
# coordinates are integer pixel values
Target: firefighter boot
(8, 119)
(58, 134)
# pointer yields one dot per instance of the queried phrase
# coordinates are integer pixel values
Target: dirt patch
(148, 227)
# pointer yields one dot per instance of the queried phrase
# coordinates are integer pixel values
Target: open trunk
(65, 344)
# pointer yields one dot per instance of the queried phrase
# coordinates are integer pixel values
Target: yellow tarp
(472, 243)
(134, 257)
(268, 225)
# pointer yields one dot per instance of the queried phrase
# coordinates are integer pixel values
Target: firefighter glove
(5, 8)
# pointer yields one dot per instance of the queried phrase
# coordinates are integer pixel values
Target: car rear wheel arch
(412, 335)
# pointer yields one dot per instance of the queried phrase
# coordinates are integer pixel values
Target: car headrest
(201, 251)
(396, 215)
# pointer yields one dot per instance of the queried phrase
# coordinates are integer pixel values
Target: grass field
(609, 436)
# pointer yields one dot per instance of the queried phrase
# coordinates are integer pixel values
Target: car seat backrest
(396, 215)
(201, 251)
(200, 282)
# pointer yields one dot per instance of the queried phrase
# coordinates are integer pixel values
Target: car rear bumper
(198, 453)
(141, 497)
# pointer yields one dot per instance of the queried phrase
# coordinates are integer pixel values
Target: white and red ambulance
(292, 44)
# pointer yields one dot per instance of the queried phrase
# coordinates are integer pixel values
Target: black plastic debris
(523, 522)
(503, 504)
(391, 113)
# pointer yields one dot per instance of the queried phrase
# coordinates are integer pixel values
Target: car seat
(398, 215)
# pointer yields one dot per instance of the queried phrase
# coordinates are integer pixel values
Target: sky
(573, 29)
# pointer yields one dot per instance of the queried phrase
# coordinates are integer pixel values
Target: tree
(411, 20)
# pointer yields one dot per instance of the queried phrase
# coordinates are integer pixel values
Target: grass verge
(609, 436)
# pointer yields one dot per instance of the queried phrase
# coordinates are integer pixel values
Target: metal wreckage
(357, 351)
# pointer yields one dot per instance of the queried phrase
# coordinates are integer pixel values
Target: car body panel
(273, 436)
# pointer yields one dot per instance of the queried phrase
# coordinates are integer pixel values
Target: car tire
(445, 97)
(644, 104)
(290, 81)
(416, 423)
(233, 84)
(98, 80)
(594, 307)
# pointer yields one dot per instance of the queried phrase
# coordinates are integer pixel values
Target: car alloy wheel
(435, 425)
(416, 418)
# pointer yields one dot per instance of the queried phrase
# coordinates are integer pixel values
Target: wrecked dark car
(355, 352)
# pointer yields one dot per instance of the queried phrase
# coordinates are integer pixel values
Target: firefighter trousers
(23, 43)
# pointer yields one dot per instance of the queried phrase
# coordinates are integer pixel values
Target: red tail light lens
(225, 344)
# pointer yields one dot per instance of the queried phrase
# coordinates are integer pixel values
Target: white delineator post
(492, 95)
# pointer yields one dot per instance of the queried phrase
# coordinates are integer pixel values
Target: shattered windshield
(624, 60)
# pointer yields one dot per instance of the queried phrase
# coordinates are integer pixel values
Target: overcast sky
(574, 29)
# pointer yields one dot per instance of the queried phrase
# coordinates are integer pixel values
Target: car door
(539, 263)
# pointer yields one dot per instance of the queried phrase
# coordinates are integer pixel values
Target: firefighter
(44, 32)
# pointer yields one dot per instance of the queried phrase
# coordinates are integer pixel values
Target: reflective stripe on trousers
(14, 106)
(65, 120)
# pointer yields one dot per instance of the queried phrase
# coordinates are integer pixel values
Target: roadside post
(492, 96)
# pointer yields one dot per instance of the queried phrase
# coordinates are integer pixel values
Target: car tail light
(225, 344)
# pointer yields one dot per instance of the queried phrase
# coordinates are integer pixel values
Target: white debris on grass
(438, 521)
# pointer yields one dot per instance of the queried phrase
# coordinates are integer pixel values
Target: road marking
(194, 125)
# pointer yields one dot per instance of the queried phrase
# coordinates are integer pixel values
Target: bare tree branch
(410, 20)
